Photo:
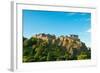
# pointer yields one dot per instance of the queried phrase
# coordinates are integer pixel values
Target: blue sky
(58, 23)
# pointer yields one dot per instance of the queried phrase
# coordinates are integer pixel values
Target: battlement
(74, 36)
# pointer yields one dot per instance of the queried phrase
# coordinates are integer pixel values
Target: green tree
(82, 56)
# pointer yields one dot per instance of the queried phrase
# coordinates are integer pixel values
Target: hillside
(47, 47)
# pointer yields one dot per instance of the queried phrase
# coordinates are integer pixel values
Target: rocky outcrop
(47, 47)
(70, 43)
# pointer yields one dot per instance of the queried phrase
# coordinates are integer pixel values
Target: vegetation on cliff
(46, 47)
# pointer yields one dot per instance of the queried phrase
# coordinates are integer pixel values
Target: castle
(44, 36)
(74, 36)
(48, 36)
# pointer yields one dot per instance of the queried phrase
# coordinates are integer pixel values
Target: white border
(17, 44)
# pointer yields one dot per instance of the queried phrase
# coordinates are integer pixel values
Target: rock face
(47, 47)
(70, 43)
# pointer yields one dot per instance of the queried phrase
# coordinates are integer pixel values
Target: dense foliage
(37, 49)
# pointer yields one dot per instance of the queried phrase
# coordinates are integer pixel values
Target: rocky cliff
(72, 45)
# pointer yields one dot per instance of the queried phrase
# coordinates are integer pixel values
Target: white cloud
(89, 30)
(72, 13)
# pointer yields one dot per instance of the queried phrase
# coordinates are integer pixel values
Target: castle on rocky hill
(46, 36)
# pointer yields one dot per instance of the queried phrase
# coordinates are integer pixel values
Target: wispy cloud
(72, 13)
(89, 30)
